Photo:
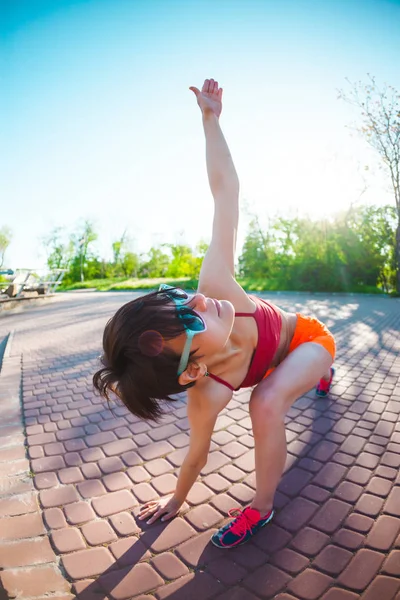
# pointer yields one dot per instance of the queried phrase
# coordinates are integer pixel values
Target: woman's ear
(193, 372)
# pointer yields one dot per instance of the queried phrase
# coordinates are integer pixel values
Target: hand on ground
(166, 508)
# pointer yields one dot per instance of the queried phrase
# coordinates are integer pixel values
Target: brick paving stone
(50, 463)
(92, 454)
(112, 464)
(54, 518)
(26, 553)
(223, 503)
(232, 473)
(174, 532)
(198, 551)
(198, 584)
(215, 461)
(382, 587)
(343, 459)
(392, 505)
(203, 517)
(293, 481)
(79, 512)
(239, 593)
(226, 571)
(23, 526)
(290, 561)
(116, 481)
(310, 464)
(296, 514)
(138, 474)
(348, 492)
(361, 570)
(245, 462)
(379, 486)
(323, 451)
(159, 466)
(33, 582)
(391, 566)
(124, 524)
(242, 493)
(353, 445)
(330, 475)
(249, 556)
(198, 494)
(339, 594)
(144, 492)
(332, 559)
(87, 563)
(70, 475)
(272, 538)
(169, 566)
(91, 488)
(234, 449)
(369, 505)
(165, 484)
(155, 450)
(316, 494)
(386, 472)
(310, 584)
(358, 475)
(368, 460)
(18, 505)
(129, 551)
(266, 581)
(113, 502)
(309, 541)
(59, 496)
(68, 540)
(98, 532)
(348, 539)
(359, 523)
(331, 515)
(383, 533)
(391, 459)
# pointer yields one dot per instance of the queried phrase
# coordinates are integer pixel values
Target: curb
(29, 568)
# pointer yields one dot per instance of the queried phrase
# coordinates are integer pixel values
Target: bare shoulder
(221, 284)
(206, 400)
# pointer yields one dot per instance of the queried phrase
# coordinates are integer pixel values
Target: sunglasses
(191, 320)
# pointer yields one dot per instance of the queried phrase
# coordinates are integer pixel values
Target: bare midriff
(289, 321)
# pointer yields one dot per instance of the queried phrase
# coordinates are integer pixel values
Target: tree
(380, 112)
(81, 241)
(5, 240)
(59, 252)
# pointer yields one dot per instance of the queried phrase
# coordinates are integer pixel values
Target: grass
(248, 283)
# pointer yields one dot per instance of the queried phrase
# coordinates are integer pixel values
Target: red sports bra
(269, 322)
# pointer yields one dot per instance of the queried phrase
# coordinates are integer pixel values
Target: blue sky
(100, 123)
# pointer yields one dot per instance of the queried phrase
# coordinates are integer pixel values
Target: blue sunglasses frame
(190, 333)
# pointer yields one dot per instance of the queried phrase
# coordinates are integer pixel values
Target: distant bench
(28, 283)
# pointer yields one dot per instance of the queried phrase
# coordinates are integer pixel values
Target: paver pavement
(69, 499)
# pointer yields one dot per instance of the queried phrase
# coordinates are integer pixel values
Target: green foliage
(354, 251)
(5, 240)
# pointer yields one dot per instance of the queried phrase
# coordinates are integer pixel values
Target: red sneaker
(241, 529)
(324, 386)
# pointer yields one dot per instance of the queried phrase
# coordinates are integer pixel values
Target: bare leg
(269, 403)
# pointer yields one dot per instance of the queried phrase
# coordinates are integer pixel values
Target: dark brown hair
(138, 367)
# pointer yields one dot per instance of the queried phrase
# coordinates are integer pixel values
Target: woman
(212, 343)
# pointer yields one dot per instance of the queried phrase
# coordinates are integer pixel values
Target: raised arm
(222, 176)
(217, 275)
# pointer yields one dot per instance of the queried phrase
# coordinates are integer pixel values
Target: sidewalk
(68, 501)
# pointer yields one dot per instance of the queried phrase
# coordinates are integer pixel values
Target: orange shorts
(309, 329)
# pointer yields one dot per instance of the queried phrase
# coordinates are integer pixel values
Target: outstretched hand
(209, 98)
(166, 508)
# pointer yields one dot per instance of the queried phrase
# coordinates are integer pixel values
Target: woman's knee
(266, 406)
